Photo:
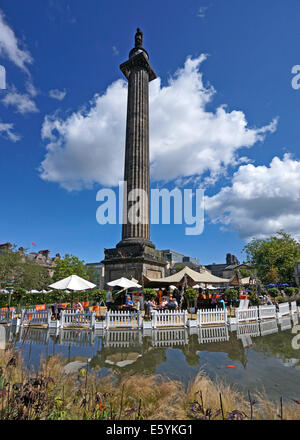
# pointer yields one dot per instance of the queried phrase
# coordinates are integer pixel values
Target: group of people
(165, 300)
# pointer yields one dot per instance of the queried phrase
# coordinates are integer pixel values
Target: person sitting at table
(172, 304)
(164, 302)
(128, 302)
(77, 305)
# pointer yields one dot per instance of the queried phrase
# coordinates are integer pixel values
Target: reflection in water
(261, 352)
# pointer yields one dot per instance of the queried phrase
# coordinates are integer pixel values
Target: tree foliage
(23, 272)
(69, 265)
(279, 252)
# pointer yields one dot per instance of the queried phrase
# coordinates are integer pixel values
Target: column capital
(138, 60)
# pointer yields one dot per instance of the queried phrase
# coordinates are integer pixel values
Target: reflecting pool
(252, 356)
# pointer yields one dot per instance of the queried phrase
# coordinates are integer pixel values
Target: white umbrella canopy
(123, 282)
(172, 287)
(196, 286)
(73, 282)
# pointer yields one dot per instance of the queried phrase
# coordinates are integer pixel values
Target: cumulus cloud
(261, 200)
(6, 131)
(186, 139)
(21, 101)
(57, 94)
(10, 47)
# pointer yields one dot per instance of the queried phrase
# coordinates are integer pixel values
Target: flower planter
(192, 323)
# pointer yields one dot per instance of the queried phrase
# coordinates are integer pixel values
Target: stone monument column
(135, 255)
(138, 72)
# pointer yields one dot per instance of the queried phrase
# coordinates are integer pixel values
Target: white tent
(197, 286)
(123, 282)
(73, 282)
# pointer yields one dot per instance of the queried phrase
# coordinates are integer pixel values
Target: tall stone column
(135, 255)
(139, 72)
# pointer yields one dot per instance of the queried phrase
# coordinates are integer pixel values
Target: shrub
(230, 295)
(273, 291)
(253, 299)
(149, 294)
(289, 291)
(280, 299)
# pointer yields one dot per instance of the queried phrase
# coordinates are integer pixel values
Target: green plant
(273, 291)
(280, 299)
(230, 295)
(190, 296)
(253, 299)
(289, 291)
(149, 294)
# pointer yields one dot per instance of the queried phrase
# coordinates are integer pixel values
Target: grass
(52, 394)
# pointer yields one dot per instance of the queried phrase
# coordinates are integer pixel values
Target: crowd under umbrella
(73, 283)
(124, 283)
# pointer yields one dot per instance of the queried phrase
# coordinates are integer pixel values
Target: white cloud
(57, 94)
(261, 201)
(185, 138)
(115, 50)
(202, 11)
(9, 46)
(5, 131)
(22, 102)
(31, 89)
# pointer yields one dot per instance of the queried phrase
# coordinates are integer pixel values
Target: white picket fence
(169, 337)
(250, 329)
(250, 314)
(75, 318)
(284, 309)
(33, 335)
(268, 327)
(285, 323)
(169, 318)
(35, 317)
(213, 334)
(267, 312)
(72, 337)
(122, 339)
(125, 319)
(6, 316)
(293, 307)
(211, 317)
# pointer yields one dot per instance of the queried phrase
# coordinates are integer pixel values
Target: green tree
(149, 294)
(92, 275)
(190, 296)
(23, 272)
(279, 251)
(272, 276)
(179, 268)
(69, 265)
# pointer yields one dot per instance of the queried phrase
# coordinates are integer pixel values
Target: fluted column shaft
(136, 172)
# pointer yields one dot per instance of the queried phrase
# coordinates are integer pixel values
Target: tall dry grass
(26, 395)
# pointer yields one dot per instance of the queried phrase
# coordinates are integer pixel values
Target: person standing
(109, 299)
(159, 295)
(141, 301)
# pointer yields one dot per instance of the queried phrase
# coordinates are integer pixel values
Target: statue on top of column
(139, 38)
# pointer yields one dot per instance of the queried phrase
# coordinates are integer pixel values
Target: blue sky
(239, 140)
